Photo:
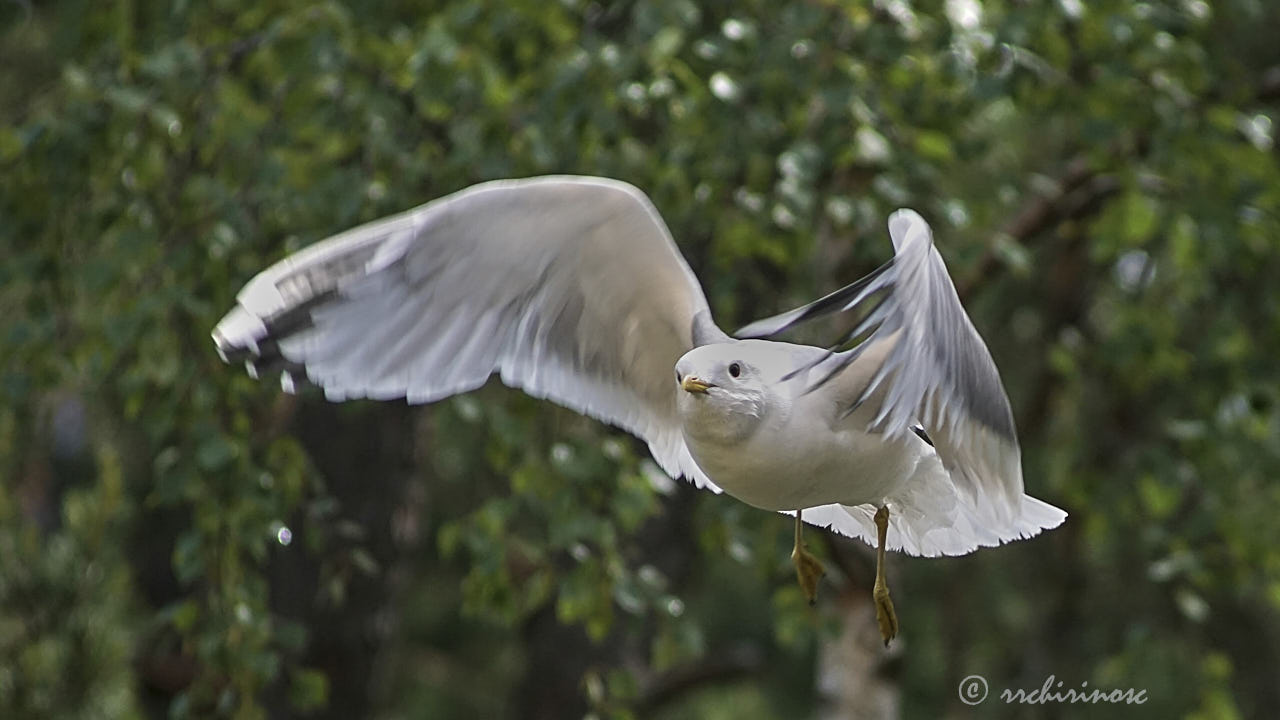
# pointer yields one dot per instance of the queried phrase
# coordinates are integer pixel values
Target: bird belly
(801, 470)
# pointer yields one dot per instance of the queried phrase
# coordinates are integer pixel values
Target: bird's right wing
(570, 288)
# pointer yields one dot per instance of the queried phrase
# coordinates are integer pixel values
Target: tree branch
(737, 663)
(1041, 213)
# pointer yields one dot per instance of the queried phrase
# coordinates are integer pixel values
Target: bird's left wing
(568, 287)
(923, 364)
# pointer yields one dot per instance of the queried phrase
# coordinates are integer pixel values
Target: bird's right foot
(809, 569)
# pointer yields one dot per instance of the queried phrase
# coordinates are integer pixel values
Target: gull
(572, 289)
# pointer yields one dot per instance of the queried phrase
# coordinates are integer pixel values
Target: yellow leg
(808, 569)
(885, 616)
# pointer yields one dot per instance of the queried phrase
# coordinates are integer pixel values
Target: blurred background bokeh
(180, 541)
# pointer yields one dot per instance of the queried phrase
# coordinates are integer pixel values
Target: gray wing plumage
(569, 288)
(927, 365)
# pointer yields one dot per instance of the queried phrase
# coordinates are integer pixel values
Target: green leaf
(308, 689)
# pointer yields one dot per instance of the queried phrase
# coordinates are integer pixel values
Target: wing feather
(935, 370)
(569, 288)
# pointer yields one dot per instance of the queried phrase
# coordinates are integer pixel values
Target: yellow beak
(694, 385)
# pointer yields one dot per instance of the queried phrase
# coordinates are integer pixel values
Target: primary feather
(937, 372)
(569, 288)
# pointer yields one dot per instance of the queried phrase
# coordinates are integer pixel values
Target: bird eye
(735, 369)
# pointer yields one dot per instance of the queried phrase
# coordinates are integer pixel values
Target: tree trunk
(854, 675)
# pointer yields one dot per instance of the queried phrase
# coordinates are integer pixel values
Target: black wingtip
(839, 300)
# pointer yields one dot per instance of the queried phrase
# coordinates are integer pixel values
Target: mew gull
(572, 289)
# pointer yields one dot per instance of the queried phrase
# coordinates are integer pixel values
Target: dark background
(177, 540)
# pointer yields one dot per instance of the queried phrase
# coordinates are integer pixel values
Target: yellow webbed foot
(809, 569)
(886, 618)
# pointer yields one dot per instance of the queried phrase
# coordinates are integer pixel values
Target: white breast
(797, 460)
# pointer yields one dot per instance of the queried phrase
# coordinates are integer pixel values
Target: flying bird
(572, 289)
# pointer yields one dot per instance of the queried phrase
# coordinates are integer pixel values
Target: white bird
(572, 289)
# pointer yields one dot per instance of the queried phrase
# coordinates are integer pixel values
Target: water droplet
(329, 85)
(870, 145)
(651, 576)
(748, 200)
(783, 217)
(902, 13)
(964, 14)
(675, 607)
(661, 87)
(658, 480)
(284, 535)
(956, 212)
(724, 87)
(890, 189)
(610, 54)
(595, 687)
(1258, 130)
(790, 163)
(635, 92)
(468, 409)
(840, 210)
(735, 29)
(1133, 271)
(1192, 605)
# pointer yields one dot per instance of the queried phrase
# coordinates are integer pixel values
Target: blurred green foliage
(177, 540)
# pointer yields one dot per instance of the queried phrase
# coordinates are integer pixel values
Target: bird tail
(931, 518)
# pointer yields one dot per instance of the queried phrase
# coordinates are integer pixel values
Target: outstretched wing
(929, 366)
(570, 288)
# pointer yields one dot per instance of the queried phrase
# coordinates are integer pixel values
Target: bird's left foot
(886, 618)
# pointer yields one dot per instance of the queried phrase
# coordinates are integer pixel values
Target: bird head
(720, 392)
